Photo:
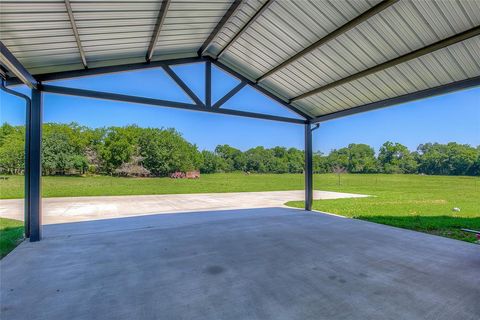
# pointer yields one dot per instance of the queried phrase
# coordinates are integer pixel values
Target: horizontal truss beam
(391, 63)
(162, 103)
(106, 70)
(443, 89)
(8, 60)
(334, 34)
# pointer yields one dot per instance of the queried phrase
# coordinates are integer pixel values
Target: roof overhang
(322, 59)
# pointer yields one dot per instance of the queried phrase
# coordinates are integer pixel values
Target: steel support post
(26, 171)
(308, 168)
(35, 166)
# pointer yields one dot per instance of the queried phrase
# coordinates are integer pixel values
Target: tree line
(135, 151)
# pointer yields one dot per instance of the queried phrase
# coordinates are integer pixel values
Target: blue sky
(452, 117)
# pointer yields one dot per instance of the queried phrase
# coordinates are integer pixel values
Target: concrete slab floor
(272, 263)
(74, 209)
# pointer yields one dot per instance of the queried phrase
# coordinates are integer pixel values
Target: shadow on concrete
(161, 220)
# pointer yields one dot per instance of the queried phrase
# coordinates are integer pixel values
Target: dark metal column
(26, 171)
(308, 168)
(35, 174)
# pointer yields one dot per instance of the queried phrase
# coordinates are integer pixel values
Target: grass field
(110, 186)
(423, 203)
(11, 233)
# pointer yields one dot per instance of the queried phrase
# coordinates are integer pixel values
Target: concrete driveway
(270, 263)
(60, 210)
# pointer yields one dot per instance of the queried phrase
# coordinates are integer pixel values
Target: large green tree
(166, 151)
(320, 163)
(475, 168)
(119, 146)
(260, 160)
(295, 159)
(213, 163)
(62, 149)
(234, 159)
(361, 159)
(134, 151)
(12, 149)
(396, 158)
(446, 159)
(356, 158)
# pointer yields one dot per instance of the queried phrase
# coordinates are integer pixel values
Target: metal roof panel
(39, 34)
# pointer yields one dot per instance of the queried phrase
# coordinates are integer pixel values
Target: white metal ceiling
(40, 35)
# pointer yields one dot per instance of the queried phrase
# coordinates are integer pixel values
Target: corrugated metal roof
(258, 37)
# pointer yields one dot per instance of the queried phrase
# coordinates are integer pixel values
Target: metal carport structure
(320, 59)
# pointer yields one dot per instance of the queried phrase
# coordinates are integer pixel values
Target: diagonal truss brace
(183, 86)
(229, 95)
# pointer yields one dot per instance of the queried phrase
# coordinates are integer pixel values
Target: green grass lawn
(422, 203)
(110, 186)
(11, 233)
